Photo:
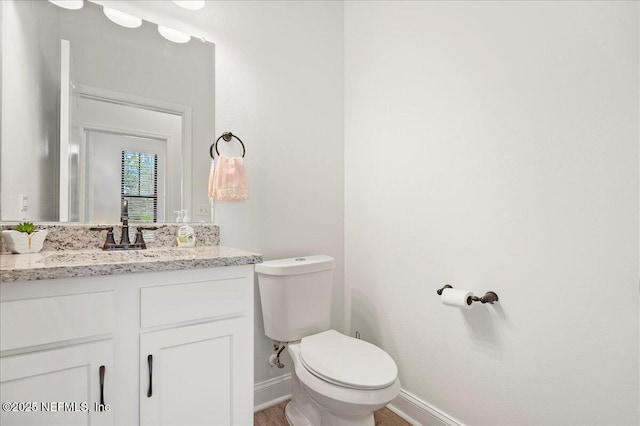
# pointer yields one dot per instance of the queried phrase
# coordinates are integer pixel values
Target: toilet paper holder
(489, 297)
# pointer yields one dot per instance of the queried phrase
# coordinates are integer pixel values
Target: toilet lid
(346, 361)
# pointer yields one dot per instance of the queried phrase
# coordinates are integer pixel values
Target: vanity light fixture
(190, 4)
(121, 18)
(68, 4)
(173, 35)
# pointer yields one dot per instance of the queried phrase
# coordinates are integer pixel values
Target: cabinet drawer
(170, 304)
(31, 322)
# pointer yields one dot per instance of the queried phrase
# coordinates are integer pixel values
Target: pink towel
(212, 172)
(228, 179)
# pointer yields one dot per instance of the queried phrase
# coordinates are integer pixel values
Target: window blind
(139, 185)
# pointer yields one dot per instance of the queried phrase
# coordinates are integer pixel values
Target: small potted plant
(24, 239)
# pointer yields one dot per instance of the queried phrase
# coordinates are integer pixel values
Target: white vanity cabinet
(62, 386)
(172, 347)
(188, 375)
(197, 374)
(43, 381)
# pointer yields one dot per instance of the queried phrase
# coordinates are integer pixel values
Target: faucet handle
(140, 235)
(110, 241)
(101, 228)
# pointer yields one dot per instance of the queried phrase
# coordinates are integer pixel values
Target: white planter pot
(21, 242)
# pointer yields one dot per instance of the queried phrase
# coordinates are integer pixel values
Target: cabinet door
(198, 375)
(59, 386)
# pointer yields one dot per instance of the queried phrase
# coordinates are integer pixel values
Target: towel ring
(227, 137)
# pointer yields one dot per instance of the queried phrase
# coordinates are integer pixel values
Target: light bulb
(190, 4)
(121, 18)
(69, 4)
(173, 35)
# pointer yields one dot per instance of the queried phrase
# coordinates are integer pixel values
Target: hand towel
(229, 179)
(211, 175)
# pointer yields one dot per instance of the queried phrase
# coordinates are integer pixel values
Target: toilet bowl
(339, 381)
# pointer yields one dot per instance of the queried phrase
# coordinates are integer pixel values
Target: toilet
(337, 380)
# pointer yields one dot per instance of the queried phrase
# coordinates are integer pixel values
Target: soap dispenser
(186, 236)
(178, 215)
(185, 216)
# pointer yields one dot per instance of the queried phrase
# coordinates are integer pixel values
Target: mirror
(73, 81)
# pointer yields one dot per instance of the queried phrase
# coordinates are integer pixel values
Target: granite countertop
(86, 263)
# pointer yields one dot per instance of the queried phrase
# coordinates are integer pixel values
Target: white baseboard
(419, 413)
(271, 392)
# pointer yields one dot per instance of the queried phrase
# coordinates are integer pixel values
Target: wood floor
(274, 416)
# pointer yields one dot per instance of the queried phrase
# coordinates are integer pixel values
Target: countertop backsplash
(78, 236)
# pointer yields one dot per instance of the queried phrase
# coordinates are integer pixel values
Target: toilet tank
(295, 295)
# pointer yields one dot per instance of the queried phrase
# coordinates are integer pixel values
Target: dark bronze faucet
(125, 243)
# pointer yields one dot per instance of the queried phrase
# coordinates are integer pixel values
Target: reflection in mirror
(77, 92)
(121, 166)
(131, 125)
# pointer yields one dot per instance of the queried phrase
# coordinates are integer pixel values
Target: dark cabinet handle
(101, 406)
(150, 362)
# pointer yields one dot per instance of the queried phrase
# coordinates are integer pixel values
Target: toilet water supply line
(274, 359)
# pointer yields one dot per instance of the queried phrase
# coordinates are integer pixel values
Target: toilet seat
(347, 362)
